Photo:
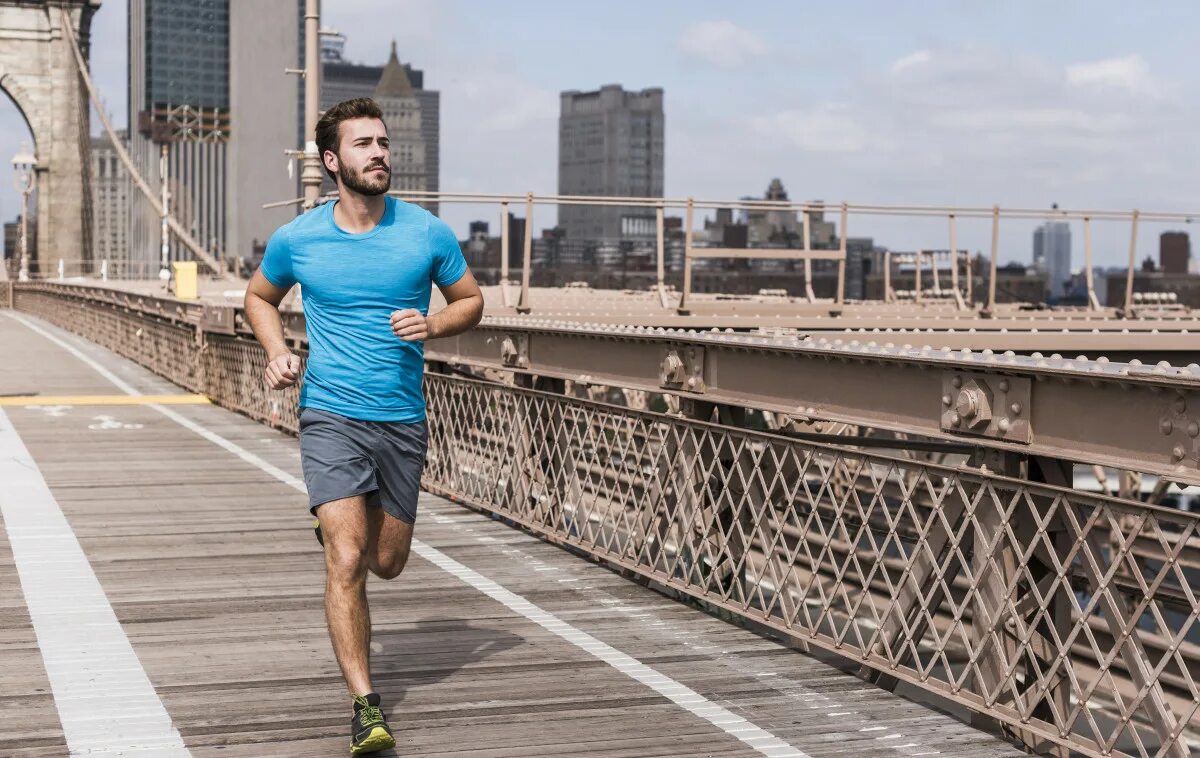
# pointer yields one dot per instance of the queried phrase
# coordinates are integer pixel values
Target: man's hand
(410, 325)
(282, 371)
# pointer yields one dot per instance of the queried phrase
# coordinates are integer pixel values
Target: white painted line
(754, 736)
(105, 702)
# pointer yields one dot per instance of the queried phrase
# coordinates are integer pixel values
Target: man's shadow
(430, 652)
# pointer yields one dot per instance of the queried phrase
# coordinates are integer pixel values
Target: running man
(366, 263)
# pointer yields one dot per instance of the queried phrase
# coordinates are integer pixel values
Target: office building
(402, 116)
(1174, 252)
(110, 200)
(343, 80)
(206, 78)
(1052, 256)
(610, 144)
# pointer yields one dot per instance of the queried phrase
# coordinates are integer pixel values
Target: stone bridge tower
(38, 72)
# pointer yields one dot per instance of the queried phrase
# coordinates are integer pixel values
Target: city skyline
(968, 105)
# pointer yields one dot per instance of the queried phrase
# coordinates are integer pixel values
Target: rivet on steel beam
(947, 400)
(1180, 404)
(1004, 385)
(956, 382)
(1177, 452)
(1016, 409)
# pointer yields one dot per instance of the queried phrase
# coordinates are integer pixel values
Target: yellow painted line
(177, 399)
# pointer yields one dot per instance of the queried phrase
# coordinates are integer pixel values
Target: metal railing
(1068, 617)
(693, 251)
(103, 270)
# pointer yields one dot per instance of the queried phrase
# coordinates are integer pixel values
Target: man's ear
(330, 159)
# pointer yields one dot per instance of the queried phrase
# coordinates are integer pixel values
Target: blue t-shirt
(351, 284)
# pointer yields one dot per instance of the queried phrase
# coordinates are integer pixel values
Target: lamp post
(23, 164)
(164, 265)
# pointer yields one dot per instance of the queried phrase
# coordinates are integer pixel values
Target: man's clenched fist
(282, 371)
(409, 325)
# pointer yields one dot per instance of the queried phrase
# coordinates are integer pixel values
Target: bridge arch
(38, 73)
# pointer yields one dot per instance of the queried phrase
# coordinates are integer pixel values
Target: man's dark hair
(331, 121)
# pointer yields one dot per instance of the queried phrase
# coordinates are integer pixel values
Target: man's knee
(391, 567)
(346, 561)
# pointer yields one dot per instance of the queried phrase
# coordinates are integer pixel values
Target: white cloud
(496, 100)
(721, 43)
(826, 128)
(1129, 73)
(911, 60)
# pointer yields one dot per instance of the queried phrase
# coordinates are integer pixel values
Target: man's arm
(262, 311)
(464, 308)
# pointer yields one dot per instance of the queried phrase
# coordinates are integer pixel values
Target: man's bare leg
(388, 542)
(344, 527)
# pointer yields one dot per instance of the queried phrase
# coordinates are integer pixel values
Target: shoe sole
(378, 739)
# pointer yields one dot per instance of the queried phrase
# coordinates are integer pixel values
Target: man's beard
(370, 184)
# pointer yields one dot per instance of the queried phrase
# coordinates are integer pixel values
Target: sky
(1016, 103)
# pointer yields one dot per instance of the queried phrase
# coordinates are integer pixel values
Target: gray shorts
(343, 457)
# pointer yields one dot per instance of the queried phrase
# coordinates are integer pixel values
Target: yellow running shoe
(369, 731)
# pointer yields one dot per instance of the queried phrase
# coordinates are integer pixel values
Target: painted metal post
(661, 249)
(918, 257)
(808, 288)
(504, 253)
(888, 296)
(687, 260)
(1127, 311)
(841, 274)
(970, 281)
(958, 297)
(523, 305)
(991, 302)
(1093, 302)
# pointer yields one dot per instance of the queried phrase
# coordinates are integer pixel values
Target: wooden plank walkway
(215, 578)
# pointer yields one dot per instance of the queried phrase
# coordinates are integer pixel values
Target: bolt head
(1178, 452)
(1003, 425)
(1016, 409)
(1004, 385)
(956, 382)
(947, 400)
(1166, 427)
(1193, 429)
(968, 403)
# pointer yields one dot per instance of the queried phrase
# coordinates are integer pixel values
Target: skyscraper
(343, 80)
(1174, 252)
(610, 143)
(179, 71)
(206, 78)
(1052, 255)
(110, 201)
(402, 116)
